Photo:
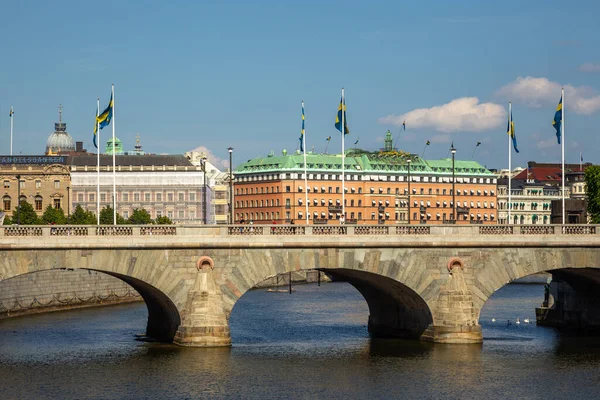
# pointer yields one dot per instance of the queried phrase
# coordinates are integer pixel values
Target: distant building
(272, 189)
(536, 195)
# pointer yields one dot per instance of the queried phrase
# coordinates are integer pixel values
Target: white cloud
(545, 141)
(589, 67)
(214, 160)
(440, 139)
(462, 114)
(540, 92)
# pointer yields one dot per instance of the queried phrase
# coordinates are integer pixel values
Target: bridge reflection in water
(312, 343)
(427, 282)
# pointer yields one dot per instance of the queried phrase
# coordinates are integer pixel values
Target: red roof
(542, 174)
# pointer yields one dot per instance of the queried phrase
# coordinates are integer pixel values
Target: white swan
(526, 320)
(517, 322)
(493, 319)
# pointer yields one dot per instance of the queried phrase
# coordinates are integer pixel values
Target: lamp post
(68, 204)
(408, 164)
(18, 199)
(230, 185)
(453, 151)
(204, 202)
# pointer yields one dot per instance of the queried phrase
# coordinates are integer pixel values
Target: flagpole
(563, 152)
(305, 169)
(343, 156)
(509, 162)
(98, 157)
(12, 116)
(113, 155)
(580, 162)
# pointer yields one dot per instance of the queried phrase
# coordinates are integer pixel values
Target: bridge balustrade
(289, 230)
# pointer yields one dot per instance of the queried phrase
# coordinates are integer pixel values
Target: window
(6, 185)
(57, 186)
(169, 197)
(102, 196)
(38, 203)
(57, 203)
(158, 196)
(158, 213)
(125, 196)
(192, 214)
(287, 189)
(136, 197)
(192, 196)
(147, 197)
(92, 197)
(125, 214)
(170, 214)
(181, 196)
(22, 184)
(180, 214)
(80, 197)
(6, 203)
(38, 184)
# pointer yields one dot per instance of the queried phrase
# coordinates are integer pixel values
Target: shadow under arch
(163, 316)
(395, 310)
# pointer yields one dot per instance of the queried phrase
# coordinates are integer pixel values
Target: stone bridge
(427, 282)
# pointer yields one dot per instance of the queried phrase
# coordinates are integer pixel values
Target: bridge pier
(204, 323)
(454, 314)
(572, 301)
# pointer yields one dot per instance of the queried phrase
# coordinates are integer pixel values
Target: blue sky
(233, 73)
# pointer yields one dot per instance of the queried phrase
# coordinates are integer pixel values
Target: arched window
(38, 203)
(6, 203)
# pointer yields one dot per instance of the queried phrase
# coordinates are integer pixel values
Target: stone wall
(63, 289)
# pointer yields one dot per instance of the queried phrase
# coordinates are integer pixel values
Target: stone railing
(292, 230)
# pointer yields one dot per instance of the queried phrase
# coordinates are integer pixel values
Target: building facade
(387, 187)
(38, 180)
(535, 191)
(163, 185)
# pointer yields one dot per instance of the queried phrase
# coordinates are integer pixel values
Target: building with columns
(377, 189)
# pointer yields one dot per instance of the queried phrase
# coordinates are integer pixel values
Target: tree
(54, 216)
(7, 220)
(140, 217)
(26, 215)
(106, 217)
(82, 217)
(592, 183)
(163, 220)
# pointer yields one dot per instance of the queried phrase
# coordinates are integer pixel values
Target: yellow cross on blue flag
(302, 130)
(106, 116)
(510, 130)
(558, 119)
(338, 117)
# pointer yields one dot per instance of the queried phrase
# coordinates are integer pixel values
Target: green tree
(163, 220)
(7, 220)
(592, 183)
(140, 217)
(82, 217)
(54, 216)
(26, 215)
(106, 217)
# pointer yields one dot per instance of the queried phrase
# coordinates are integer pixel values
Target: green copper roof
(359, 161)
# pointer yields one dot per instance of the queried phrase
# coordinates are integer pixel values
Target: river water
(310, 344)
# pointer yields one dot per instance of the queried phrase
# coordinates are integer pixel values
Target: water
(311, 344)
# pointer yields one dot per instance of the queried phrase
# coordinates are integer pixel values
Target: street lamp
(68, 204)
(204, 202)
(230, 185)
(408, 164)
(453, 151)
(18, 199)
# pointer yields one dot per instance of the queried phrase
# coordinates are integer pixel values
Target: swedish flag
(106, 116)
(558, 119)
(510, 130)
(302, 130)
(338, 117)
(96, 129)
